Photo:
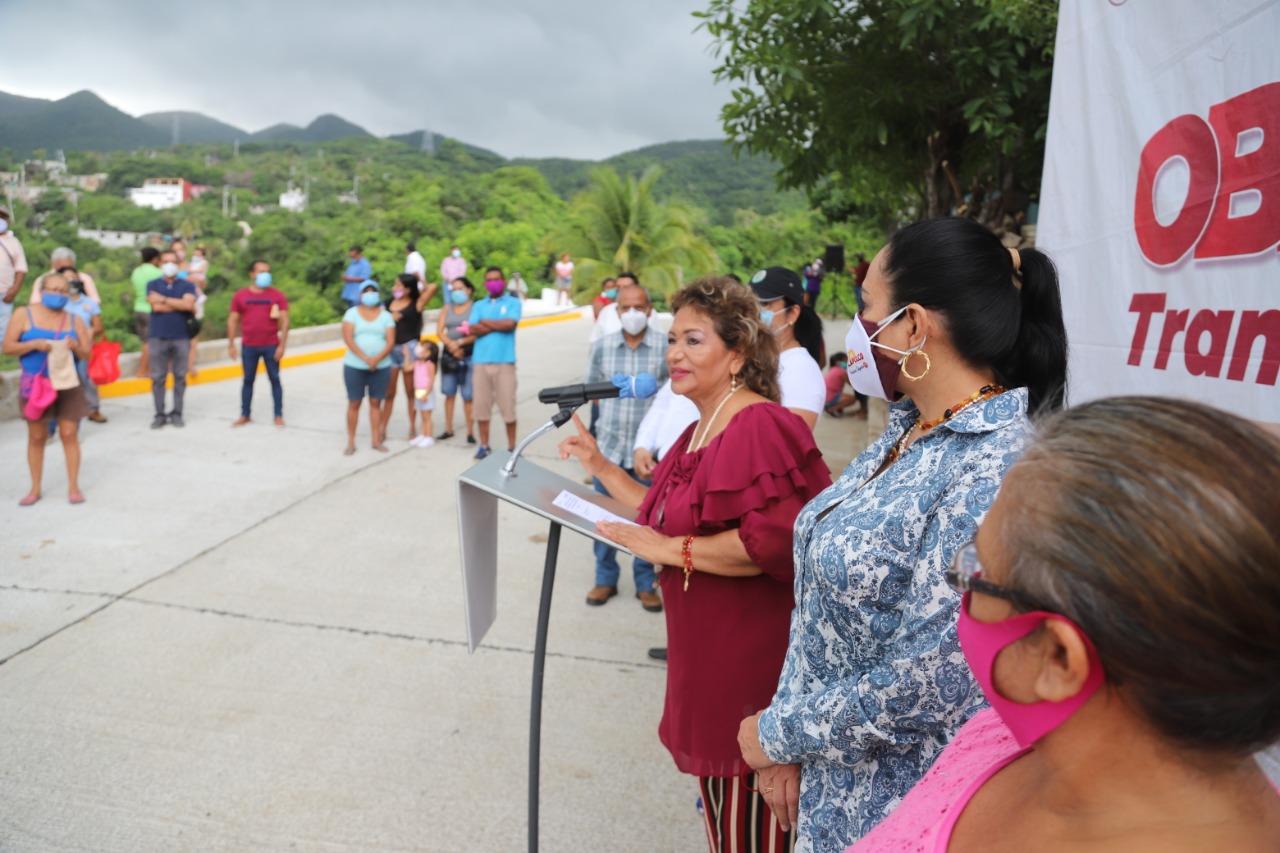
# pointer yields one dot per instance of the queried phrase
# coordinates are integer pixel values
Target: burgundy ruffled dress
(727, 636)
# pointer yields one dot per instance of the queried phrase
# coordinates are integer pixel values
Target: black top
(409, 326)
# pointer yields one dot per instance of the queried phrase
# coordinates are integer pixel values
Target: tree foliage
(618, 224)
(907, 106)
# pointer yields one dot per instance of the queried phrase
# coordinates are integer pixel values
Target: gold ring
(766, 790)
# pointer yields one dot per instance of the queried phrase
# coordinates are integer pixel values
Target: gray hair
(1152, 523)
(63, 253)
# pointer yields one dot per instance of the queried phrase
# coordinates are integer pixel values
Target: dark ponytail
(808, 332)
(1039, 357)
(1007, 321)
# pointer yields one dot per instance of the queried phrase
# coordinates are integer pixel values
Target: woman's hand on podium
(644, 542)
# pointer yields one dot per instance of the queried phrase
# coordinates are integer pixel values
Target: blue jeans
(607, 570)
(249, 359)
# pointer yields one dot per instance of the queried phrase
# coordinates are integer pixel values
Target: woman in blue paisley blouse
(966, 336)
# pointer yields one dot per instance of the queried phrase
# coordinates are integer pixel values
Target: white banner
(1161, 198)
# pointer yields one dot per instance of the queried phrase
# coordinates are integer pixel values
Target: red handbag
(104, 362)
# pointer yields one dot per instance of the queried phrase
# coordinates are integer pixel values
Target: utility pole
(235, 149)
(234, 205)
(176, 134)
(225, 193)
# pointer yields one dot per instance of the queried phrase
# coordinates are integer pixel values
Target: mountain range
(703, 171)
(85, 122)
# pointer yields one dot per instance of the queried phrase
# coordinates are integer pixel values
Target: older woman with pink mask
(1120, 610)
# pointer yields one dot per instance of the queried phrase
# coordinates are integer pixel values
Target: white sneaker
(424, 441)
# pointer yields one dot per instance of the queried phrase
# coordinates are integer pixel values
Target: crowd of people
(1006, 625)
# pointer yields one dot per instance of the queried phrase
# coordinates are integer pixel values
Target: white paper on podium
(586, 509)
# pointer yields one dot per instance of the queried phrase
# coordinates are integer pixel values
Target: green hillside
(194, 127)
(81, 122)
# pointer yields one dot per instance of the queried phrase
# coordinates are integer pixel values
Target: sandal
(29, 500)
(381, 448)
(75, 498)
(350, 451)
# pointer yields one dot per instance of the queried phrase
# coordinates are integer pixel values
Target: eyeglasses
(965, 576)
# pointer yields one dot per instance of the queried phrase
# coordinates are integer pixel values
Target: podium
(532, 489)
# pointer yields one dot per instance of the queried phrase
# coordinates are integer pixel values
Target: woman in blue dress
(965, 336)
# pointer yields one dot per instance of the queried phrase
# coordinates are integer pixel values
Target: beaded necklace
(986, 392)
(697, 445)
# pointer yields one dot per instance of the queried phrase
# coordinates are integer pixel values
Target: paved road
(245, 641)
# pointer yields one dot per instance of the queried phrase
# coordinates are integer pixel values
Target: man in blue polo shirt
(358, 272)
(493, 360)
(172, 301)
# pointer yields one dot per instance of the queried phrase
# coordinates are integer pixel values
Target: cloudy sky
(573, 78)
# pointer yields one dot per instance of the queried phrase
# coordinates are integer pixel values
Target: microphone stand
(568, 405)
(559, 419)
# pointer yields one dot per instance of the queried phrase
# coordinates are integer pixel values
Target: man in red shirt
(264, 312)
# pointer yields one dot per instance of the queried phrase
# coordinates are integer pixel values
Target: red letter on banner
(1254, 325)
(1191, 138)
(1257, 172)
(1145, 305)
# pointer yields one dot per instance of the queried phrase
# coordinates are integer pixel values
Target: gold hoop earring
(927, 364)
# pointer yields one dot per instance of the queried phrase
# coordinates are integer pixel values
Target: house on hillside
(161, 193)
(293, 199)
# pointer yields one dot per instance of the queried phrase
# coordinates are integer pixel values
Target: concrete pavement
(245, 641)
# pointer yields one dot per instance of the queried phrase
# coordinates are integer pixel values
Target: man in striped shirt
(637, 348)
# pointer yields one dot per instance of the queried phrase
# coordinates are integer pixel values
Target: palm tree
(618, 225)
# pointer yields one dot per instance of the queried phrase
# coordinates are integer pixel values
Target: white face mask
(4, 225)
(170, 269)
(869, 374)
(634, 321)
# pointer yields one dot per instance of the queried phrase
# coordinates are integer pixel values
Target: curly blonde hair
(735, 313)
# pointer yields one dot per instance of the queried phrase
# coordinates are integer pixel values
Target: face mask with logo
(169, 270)
(496, 287)
(982, 642)
(458, 297)
(872, 372)
(634, 321)
(262, 279)
(370, 298)
(54, 301)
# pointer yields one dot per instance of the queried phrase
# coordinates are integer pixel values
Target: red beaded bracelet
(687, 551)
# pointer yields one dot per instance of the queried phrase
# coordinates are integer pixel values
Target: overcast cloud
(572, 78)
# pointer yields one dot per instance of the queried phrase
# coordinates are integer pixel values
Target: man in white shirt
(608, 321)
(13, 270)
(416, 266)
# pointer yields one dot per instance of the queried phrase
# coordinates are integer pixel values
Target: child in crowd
(426, 359)
(837, 377)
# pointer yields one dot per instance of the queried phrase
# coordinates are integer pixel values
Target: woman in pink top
(1122, 613)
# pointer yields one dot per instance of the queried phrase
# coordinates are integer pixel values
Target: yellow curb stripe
(222, 372)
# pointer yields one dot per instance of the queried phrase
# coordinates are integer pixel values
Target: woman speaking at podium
(718, 520)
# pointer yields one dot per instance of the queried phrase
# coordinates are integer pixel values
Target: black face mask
(61, 270)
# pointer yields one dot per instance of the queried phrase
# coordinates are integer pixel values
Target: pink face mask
(983, 641)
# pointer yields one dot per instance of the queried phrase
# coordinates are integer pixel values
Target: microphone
(638, 387)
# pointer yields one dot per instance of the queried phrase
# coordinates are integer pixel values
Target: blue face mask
(611, 293)
(459, 297)
(263, 279)
(766, 317)
(54, 301)
(370, 298)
